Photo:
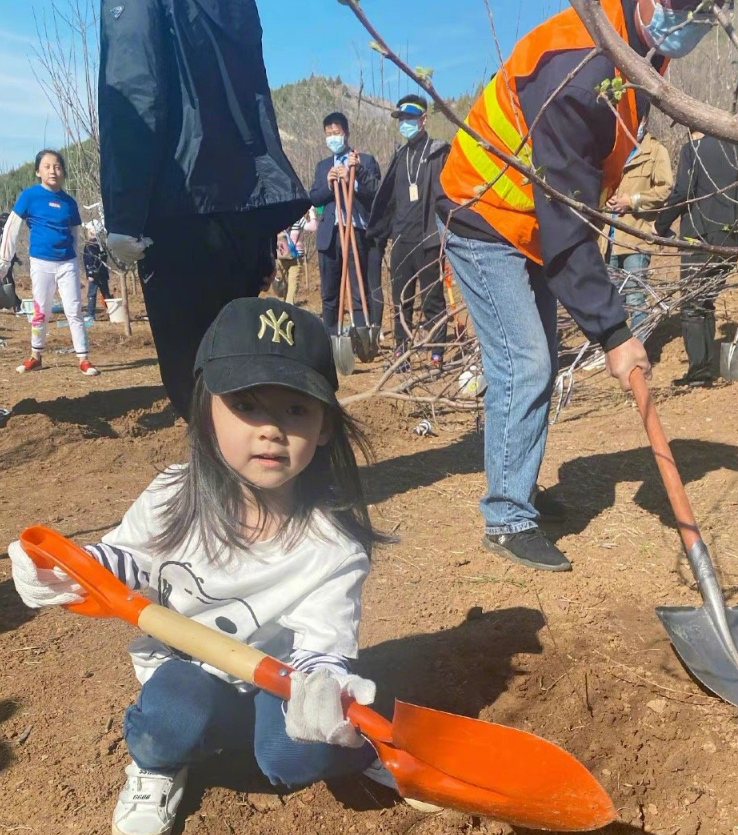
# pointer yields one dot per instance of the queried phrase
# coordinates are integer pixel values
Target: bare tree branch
(688, 111)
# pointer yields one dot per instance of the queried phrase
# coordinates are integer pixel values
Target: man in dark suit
(330, 258)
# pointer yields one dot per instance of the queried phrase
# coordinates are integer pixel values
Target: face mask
(336, 143)
(409, 128)
(677, 43)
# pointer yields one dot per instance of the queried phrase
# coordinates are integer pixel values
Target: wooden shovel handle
(685, 520)
(351, 236)
(344, 261)
(244, 662)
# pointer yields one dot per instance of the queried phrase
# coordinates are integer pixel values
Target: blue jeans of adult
(184, 715)
(514, 316)
(635, 296)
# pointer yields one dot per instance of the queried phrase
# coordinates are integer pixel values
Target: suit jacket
(368, 176)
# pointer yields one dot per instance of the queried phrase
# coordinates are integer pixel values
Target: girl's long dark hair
(208, 499)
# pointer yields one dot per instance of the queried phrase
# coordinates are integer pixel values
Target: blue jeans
(514, 315)
(184, 715)
(635, 296)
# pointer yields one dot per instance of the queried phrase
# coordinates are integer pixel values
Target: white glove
(4, 267)
(39, 587)
(314, 711)
(127, 249)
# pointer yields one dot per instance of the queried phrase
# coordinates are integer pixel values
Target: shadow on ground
(8, 708)
(587, 484)
(95, 410)
(13, 612)
(403, 473)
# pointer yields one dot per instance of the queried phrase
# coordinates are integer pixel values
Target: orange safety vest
(507, 205)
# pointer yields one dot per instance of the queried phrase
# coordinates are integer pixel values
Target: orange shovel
(453, 761)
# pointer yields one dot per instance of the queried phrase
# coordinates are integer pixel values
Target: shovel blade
(522, 779)
(343, 355)
(365, 342)
(699, 645)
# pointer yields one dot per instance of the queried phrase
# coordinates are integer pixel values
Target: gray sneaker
(531, 548)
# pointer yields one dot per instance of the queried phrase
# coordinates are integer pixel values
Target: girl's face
(50, 172)
(269, 435)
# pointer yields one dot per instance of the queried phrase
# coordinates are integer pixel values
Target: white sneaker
(379, 774)
(147, 804)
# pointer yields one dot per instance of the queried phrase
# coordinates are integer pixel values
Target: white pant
(46, 276)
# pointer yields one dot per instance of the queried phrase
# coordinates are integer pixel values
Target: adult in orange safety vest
(515, 251)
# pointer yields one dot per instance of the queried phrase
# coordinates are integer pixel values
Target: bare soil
(579, 658)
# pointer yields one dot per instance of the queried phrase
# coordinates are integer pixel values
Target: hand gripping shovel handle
(108, 597)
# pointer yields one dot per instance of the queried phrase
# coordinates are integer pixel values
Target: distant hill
(300, 108)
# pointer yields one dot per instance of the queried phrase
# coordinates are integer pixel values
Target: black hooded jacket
(383, 208)
(187, 124)
(705, 193)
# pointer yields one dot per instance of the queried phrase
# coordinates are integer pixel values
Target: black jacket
(187, 124)
(95, 259)
(383, 210)
(705, 193)
(572, 137)
(368, 176)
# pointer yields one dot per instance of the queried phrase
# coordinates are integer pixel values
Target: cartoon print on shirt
(177, 580)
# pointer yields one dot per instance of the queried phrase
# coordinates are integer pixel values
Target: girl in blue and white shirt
(53, 218)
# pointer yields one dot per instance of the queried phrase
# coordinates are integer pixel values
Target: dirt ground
(578, 658)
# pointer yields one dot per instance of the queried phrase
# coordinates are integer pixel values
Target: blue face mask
(409, 128)
(676, 43)
(336, 143)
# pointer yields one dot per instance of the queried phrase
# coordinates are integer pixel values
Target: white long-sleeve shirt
(301, 606)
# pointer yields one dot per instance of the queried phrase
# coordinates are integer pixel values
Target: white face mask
(336, 143)
(673, 33)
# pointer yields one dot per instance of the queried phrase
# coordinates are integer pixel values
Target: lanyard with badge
(413, 184)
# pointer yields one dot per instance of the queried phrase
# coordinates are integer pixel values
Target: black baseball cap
(410, 107)
(258, 342)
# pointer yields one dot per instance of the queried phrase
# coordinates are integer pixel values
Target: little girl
(265, 536)
(53, 218)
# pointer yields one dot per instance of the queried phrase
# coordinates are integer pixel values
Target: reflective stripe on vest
(482, 160)
(478, 178)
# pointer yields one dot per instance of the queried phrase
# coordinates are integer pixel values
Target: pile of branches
(410, 375)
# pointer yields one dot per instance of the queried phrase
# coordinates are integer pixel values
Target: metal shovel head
(343, 355)
(698, 643)
(489, 769)
(365, 341)
(7, 295)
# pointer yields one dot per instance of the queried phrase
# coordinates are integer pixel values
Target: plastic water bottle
(425, 427)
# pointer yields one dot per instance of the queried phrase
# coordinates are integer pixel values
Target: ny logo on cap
(117, 12)
(269, 320)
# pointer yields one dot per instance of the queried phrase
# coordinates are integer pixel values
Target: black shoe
(694, 382)
(531, 548)
(550, 509)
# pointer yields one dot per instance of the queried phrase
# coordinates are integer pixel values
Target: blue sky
(300, 37)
